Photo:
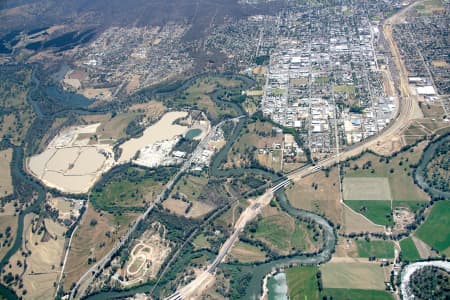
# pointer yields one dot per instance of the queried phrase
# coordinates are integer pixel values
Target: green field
(436, 229)
(191, 134)
(302, 283)
(378, 212)
(379, 249)
(352, 294)
(409, 250)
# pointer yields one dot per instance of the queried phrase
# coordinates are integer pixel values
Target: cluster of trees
(430, 283)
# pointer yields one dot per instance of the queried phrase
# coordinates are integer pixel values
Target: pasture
(346, 294)
(246, 253)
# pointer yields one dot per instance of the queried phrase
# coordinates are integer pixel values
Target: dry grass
(325, 199)
(440, 64)
(366, 276)
(6, 187)
(91, 241)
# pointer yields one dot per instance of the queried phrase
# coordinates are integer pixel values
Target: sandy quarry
(71, 163)
(162, 130)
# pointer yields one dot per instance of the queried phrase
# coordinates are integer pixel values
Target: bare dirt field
(6, 187)
(366, 188)
(354, 223)
(70, 163)
(164, 129)
(350, 275)
(93, 241)
(325, 198)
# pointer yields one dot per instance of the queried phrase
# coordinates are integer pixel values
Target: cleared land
(436, 229)
(302, 283)
(6, 187)
(375, 248)
(246, 253)
(323, 199)
(354, 294)
(366, 188)
(409, 250)
(366, 276)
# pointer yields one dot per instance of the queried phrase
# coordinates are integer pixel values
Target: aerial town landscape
(227, 149)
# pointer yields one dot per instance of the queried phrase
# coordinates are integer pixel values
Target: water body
(278, 289)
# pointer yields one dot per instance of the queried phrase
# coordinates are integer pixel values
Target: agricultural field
(246, 253)
(94, 237)
(355, 294)
(409, 250)
(354, 275)
(318, 193)
(302, 283)
(284, 234)
(436, 229)
(375, 248)
(6, 187)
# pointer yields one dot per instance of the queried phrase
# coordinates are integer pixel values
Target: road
(396, 127)
(86, 279)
